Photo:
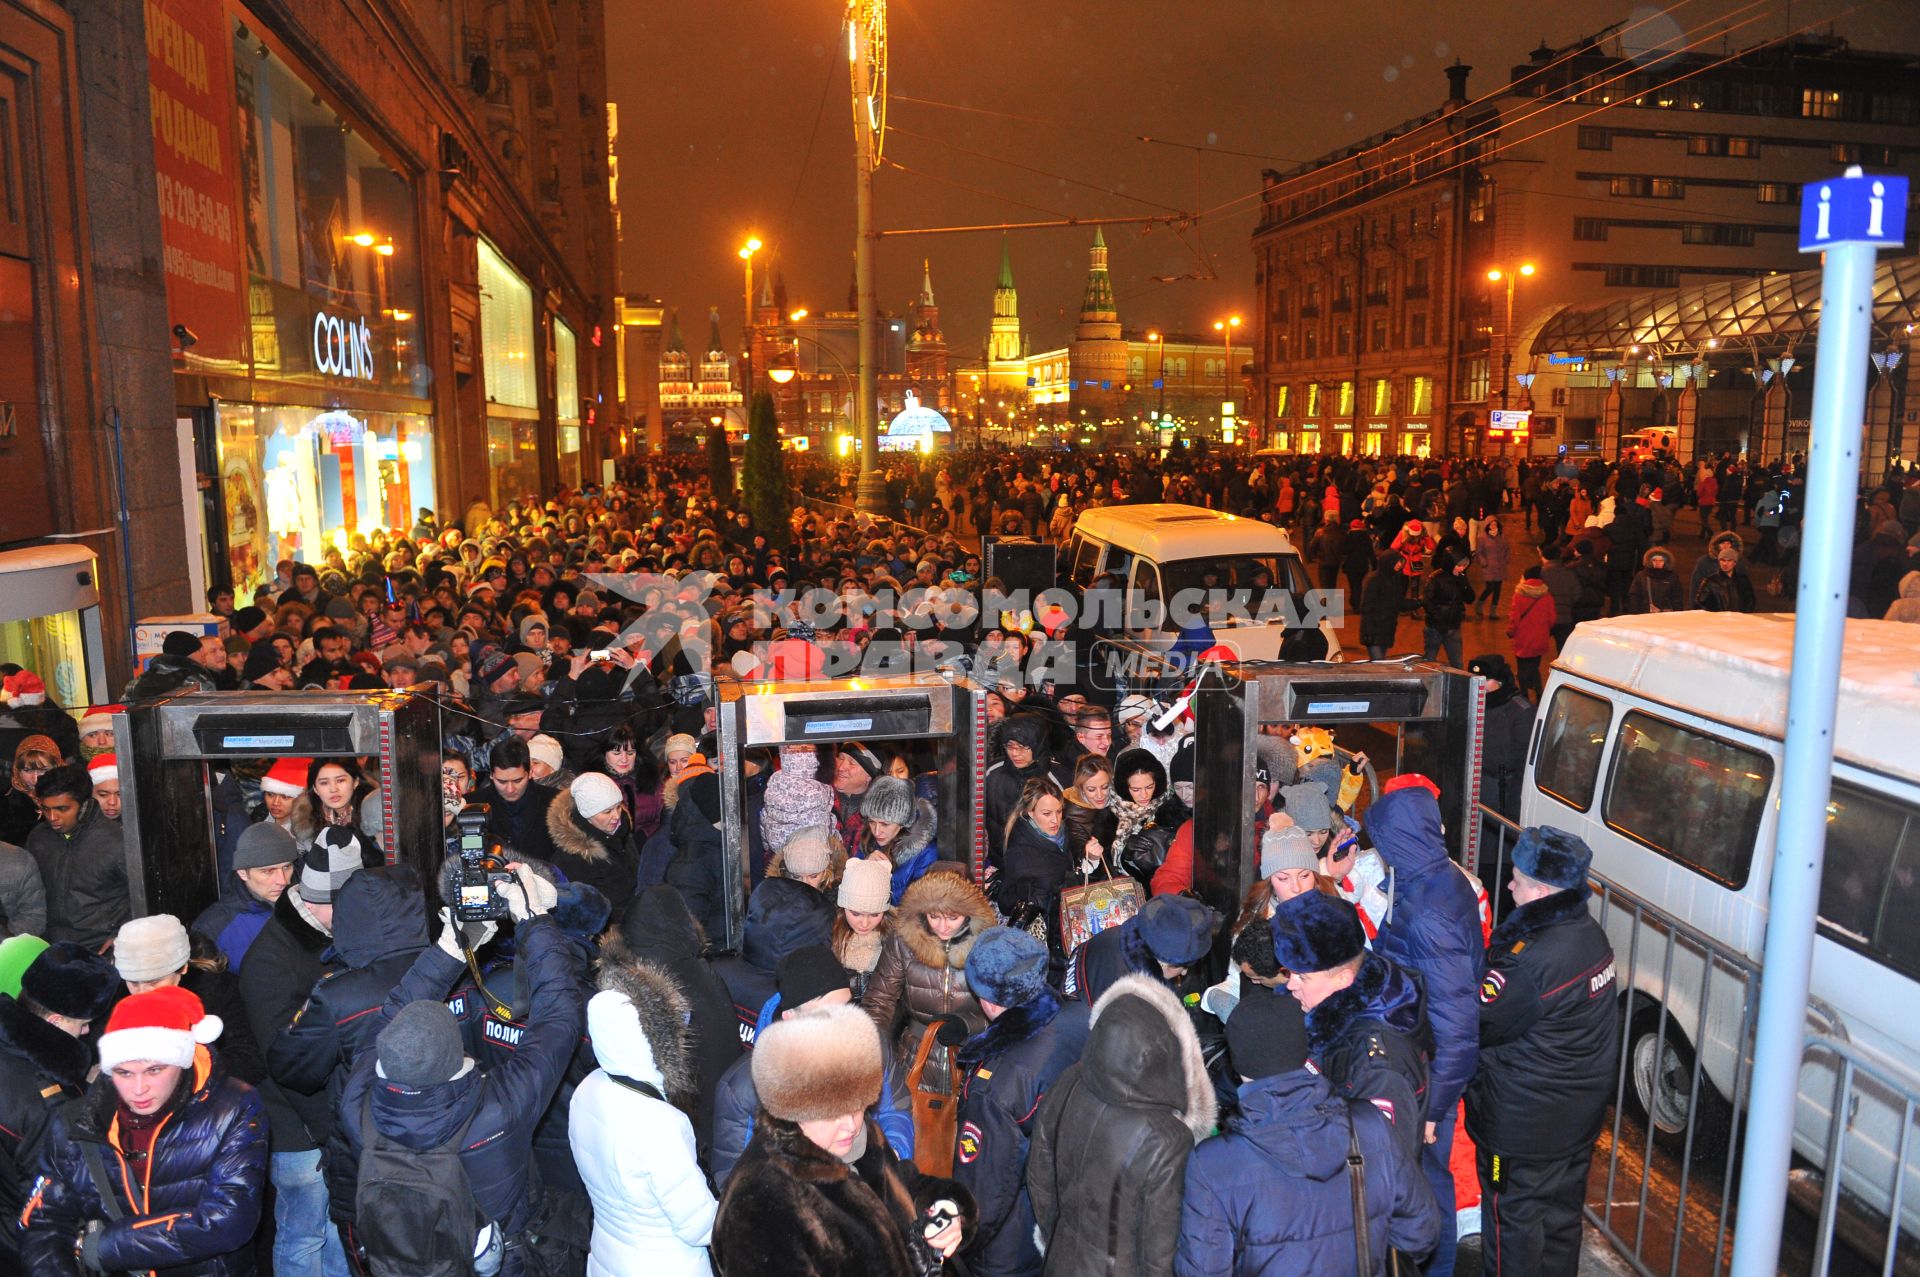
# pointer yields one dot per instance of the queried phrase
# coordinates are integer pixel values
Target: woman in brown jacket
(924, 959)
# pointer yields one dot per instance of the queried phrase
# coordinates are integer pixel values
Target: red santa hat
(103, 768)
(162, 1026)
(99, 718)
(24, 688)
(288, 777)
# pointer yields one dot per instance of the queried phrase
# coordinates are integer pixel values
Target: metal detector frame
(1232, 702)
(164, 824)
(834, 712)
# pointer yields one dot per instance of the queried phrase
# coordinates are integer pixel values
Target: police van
(1659, 741)
(1162, 553)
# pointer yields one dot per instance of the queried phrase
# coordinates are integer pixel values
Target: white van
(1160, 551)
(1659, 742)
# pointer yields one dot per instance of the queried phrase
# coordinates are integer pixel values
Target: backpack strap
(1357, 1179)
(102, 1182)
(647, 1089)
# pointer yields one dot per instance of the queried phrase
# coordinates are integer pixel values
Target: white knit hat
(868, 886)
(808, 851)
(545, 749)
(593, 793)
(151, 947)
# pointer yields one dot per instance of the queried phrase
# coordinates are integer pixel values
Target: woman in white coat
(632, 1140)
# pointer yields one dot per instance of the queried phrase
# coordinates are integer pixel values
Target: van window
(1570, 747)
(1870, 888)
(1143, 600)
(1693, 798)
(1086, 555)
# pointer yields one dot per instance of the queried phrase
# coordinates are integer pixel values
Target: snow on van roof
(1733, 667)
(1166, 532)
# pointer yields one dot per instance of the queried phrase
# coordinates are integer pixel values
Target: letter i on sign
(1825, 213)
(1877, 210)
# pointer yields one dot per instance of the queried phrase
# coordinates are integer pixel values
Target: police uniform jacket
(1372, 1042)
(1549, 1031)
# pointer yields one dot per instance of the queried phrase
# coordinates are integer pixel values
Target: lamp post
(867, 64)
(747, 250)
(1225, 327)
(1160, 377)
(1510, 277)
(784, 367)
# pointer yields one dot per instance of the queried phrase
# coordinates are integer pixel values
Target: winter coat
(1549, 1031)
(233, 923)
(1907, 607)
(1381, 597)
(1033, 870)
(670, 940)
(1492, 555)
(521, 826)
(585, 853)
(1509, 727)
(1446, 600)
(85, 873)
(1564, 585)
(1372, 1042)
(23, 895)
(201, 1187)
(783, 914)
(1113, 1135)
(508, 1098)
(913, 850)
(1655, 589)
(792, 1209)
(41, 1069)
(291, 954)
(165, 675)
(1004, 785)
(1725, 592)
(1433, 930)
(929, 973)
(1008, 1069)
(697, 870)
(652, 1210)
(1116, 953)
(1530, 619)
(379, 926)
(1272, 1197)
(1084, 822)
(219, 992)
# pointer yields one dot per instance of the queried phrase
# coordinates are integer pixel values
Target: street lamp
(747, 250)
(1510, 278)
(1225, 327)
(1160, 377)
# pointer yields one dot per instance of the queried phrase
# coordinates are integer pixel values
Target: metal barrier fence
(1665, 1176)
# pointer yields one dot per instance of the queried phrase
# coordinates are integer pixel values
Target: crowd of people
(902, 1065)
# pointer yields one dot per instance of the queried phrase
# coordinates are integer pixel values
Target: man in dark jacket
(82, 859)
(1022, 740)
(783, 914)
(1381, 597)
(697, 869)
(426, 1089)
(1432, 930)
(1273, 1192)
(175, 669)
(44, 1060)
(289, 956)
(1029, 1041)
(516, 807)
(1549, 1043)
(1509, 726)
(656, 929)
(263, 862)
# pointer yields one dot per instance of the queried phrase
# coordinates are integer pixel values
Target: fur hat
(680, 743)
(807, 851)
(1177, 929)
(867, 886)
(1288, 848)
(1492, 665)
(1552, 856)
(890, 799)
(70, 980)
(1307, 806)
(151, 947)
(1007, 966)
(581, 909)
(1266, 1034)
(1316, 932)
(820, 1064)
(164, 1026)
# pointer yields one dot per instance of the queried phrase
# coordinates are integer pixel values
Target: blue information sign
(1855, 209)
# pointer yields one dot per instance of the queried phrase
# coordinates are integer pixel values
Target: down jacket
(85, 873)
(1272, 1196)
(1432, 929)
(41, 1069)
(1111, 1143)
(783, 914)
(913, 850)
(929, 973)
(291, 954)
(200, 1192)
(636, 1153)
(608, 861)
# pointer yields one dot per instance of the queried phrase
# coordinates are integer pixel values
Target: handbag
(1092, 907)
(936, 1109)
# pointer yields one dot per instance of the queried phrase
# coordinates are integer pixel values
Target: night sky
(719, 103)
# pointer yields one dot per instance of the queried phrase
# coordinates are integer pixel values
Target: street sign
(1855, 209)
(1508, 420)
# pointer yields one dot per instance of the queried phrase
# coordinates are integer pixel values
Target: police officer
(1549, 1046)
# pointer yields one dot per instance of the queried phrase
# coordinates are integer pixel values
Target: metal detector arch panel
(921, 707)
(1438, 713)
(166, 808)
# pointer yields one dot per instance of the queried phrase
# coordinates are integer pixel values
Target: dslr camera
(483, 870)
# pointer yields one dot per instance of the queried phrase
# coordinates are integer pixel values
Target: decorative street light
(1510, 277)
(747, 250)
(1225, 327)
(1160, 377)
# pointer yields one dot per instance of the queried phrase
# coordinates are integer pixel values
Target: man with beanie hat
(263, 861)
(201, 1186)
(417, 1085)
(1549, 1044)
(1273, 1193)
(808, 979)
(1367, 1030)
(44, 1060)
(1165, 941)
(1508, 730)
(263, 671)
(1029, 1041)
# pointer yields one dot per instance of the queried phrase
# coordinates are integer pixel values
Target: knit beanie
(1266, 1034)
(161, 1026)
(180, 643)
(335, 856)
(890, 799)
(1289, 848)
(420, 1046)
(263, 846)
(149, 948)
(545, 749)
(262, 660)
(680, 743)
(1306, 804)
(809, 972)
(793, 798)
(867, 886)
(593, 793)
(807, 851)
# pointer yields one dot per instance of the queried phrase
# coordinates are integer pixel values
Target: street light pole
(1511, 277)
(747, 250)
(1225, 328)
(866, 55)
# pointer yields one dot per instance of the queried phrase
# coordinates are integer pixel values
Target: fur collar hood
(1143, 1051)
(1548, 911)
(915, 838)
(660, 1035)
(1380, 991)
(1532, 589)
(1015, 1025)
(52, 1053)
(572, 834)
(942, 892)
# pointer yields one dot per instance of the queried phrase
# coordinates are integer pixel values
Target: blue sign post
(1848, 219)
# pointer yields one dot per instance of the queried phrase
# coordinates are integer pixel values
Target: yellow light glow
(1153, 337)
(364, 239)
(1496, 276)
(798, 314)
(1526, 268)
(385, 249)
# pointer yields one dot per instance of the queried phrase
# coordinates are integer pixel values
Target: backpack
(414, 1210)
